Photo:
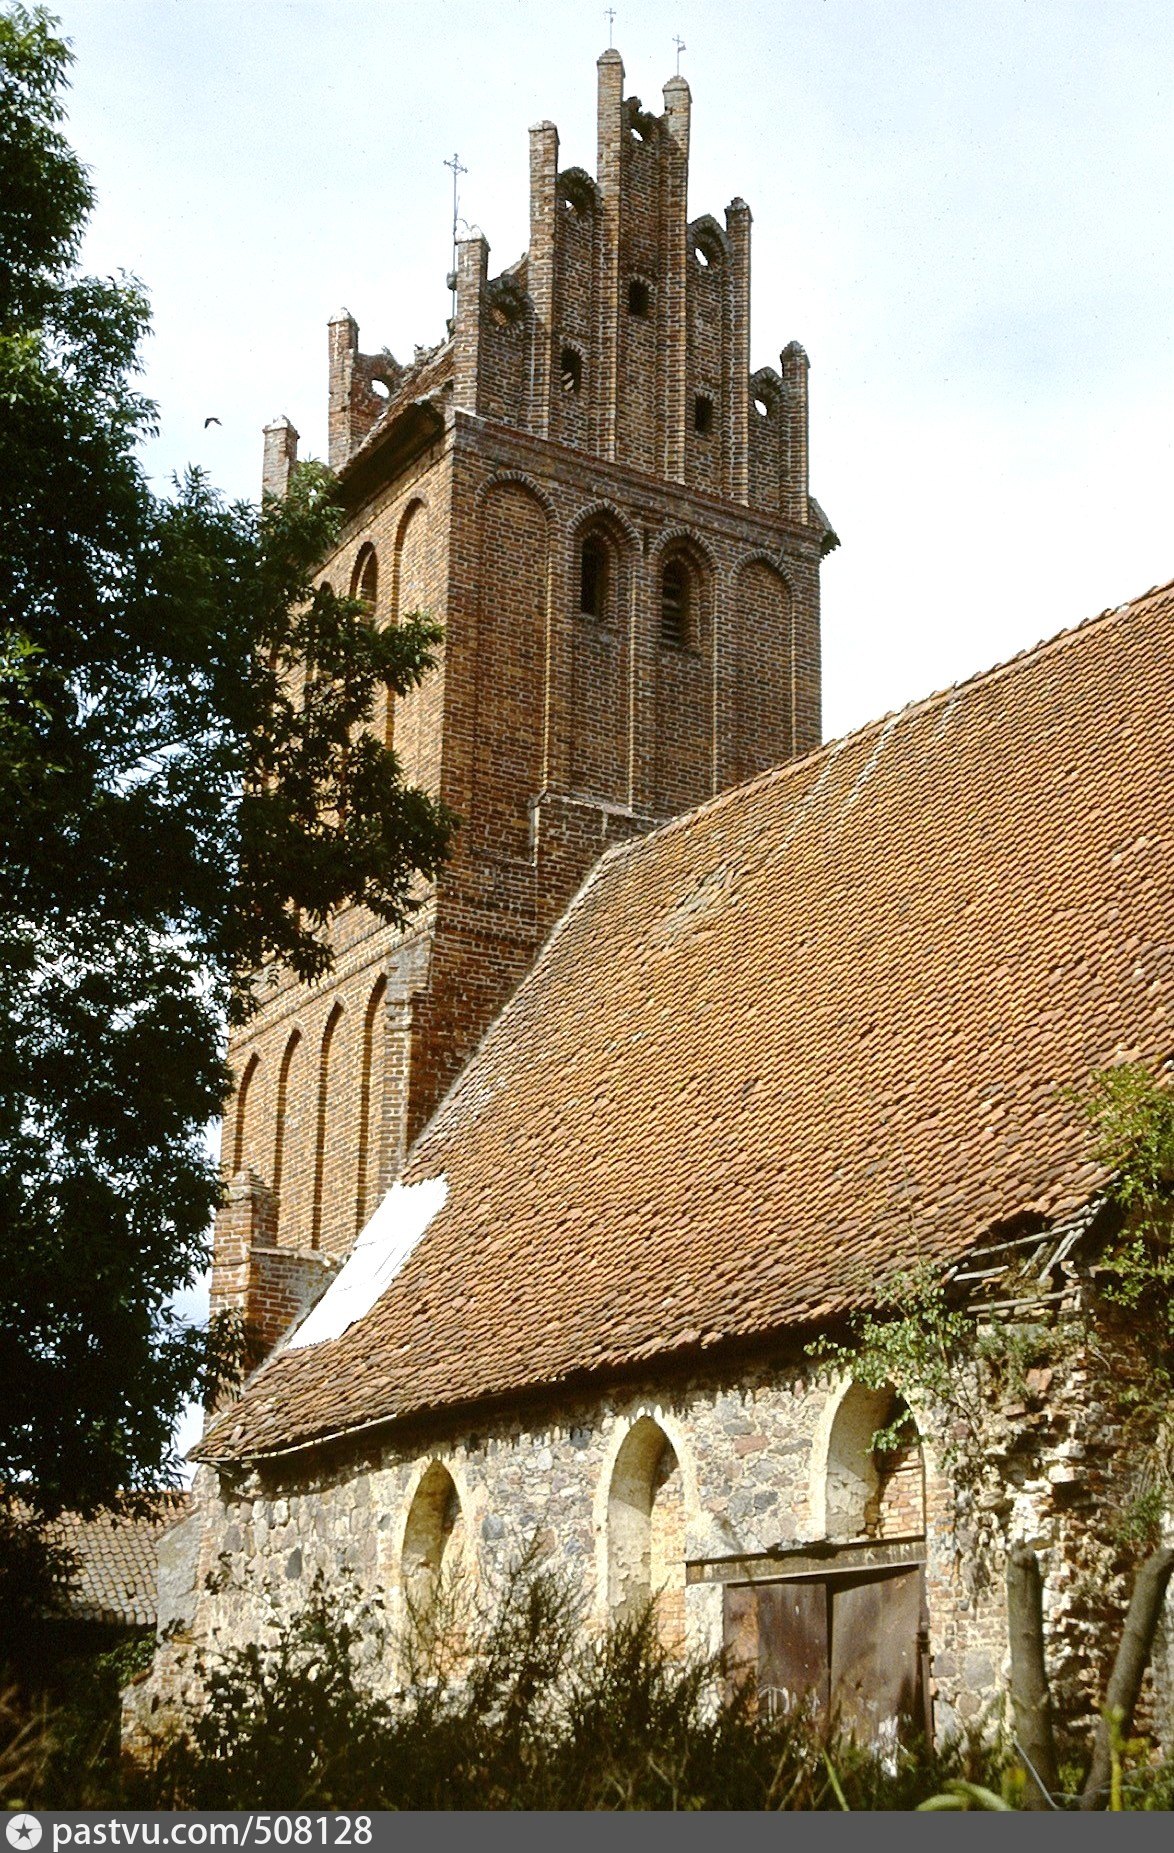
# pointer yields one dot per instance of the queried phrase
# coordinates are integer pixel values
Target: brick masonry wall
(551, 732)
(532, 697)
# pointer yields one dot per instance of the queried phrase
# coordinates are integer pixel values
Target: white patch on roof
(873, 759)
(377, 1257)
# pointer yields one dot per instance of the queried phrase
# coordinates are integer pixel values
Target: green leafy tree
(181, 798)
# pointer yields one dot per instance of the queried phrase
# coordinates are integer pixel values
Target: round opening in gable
(762, 408)
(381, 389)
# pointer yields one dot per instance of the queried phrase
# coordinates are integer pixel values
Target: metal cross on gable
(457, 171)
(610, 16)
(681, 46)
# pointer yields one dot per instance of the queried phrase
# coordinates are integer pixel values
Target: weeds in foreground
(517, 1709)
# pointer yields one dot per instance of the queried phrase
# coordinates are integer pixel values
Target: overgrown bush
(521, 1709)
(60, 1734)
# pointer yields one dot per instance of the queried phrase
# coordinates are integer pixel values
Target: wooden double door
(854, 1643)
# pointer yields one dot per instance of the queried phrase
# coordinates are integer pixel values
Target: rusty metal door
(875, 1655)
(782, 1630)
(852, 1643)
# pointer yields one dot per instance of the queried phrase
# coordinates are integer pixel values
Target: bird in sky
(210, 421)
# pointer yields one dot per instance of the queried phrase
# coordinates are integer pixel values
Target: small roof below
(116, 1566)
(804, 1035)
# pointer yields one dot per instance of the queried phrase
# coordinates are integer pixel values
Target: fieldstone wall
(744, 1473)
(670, 1484)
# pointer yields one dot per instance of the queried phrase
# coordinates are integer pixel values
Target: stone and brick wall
(725, 1472)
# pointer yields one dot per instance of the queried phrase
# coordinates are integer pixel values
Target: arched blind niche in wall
(293, 1154)
(432, 1567)
(646, 1532)
(418, 713)
(759, 664)
(247, 1121)
(337, 1140)
(372, 1094)
(365, 587)
(511, 666)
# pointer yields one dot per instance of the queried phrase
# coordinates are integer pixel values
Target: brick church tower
(609, 513)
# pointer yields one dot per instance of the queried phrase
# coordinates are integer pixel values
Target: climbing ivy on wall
(1129, 1317)
(974, 1372)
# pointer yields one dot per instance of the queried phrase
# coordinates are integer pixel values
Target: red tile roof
(810, 1031)
(115, 1578)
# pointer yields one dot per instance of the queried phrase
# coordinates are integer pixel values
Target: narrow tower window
(703, 414)
(593, 564)
(571, 370)
(674, 605)
(639, 298)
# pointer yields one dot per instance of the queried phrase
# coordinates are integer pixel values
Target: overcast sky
(962, 209)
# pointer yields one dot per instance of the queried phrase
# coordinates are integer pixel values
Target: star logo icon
(23, 1830)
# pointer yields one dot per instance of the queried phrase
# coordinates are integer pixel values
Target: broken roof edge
(419, 421)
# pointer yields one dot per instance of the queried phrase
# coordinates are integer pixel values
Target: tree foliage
(189, 786)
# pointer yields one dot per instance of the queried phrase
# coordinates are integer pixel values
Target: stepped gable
(806, 1034)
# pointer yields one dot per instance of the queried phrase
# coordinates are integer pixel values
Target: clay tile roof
(115, 1562)
(813, 1030)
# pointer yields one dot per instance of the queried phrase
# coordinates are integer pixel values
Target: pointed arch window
(365, 579)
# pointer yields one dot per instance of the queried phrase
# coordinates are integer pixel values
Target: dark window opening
(703, 414)
(593, 564)
(674, 605)
(571, 370)
(639, 298)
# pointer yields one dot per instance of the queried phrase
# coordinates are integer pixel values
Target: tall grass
(515, 1708)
